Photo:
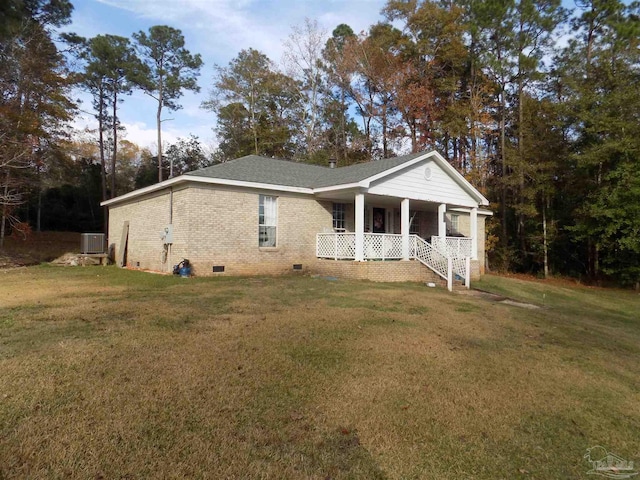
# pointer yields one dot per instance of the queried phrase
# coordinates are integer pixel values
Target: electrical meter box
(167, 234)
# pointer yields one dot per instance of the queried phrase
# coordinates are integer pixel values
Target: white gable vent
(427, 173)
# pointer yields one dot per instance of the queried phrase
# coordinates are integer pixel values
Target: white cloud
(218, 30)
(145, 135)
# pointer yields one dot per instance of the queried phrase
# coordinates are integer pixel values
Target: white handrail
(455, 247)
(431, 257)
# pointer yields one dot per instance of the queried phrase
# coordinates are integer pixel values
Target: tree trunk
(158, 125)
(254, 126)
(101, 145)
(414, 135)
(39, 212)
(503, 161)
(4, 209)
(521, 164)
(544, 238)
(114, 153)
(385, 146)
(159, 120)
(103, 165)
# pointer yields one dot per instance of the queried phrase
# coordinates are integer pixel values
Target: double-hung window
(267, 221)
(338, 217)
(414, 226)
(455, 224)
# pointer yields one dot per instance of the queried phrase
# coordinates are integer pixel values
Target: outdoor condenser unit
(92, 243)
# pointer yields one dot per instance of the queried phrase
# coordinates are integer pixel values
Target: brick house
(398, 219)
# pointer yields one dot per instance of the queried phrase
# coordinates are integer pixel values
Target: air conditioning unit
(92, 243)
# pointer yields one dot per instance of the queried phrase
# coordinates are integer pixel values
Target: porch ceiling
(377, 200)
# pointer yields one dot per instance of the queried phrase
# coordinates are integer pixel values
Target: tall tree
(34, 101)
(336, 103)
(303, 63)
(171, 70)
(433, 43)
(600, 69)
(110, 65)
(187, 155)
(249, 95)
(536, 20)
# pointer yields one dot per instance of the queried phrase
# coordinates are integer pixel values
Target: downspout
(169, 262)
(170, 205)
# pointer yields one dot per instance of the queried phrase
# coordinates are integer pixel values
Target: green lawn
(107, 373)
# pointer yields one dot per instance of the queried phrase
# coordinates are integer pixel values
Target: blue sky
(218, 30)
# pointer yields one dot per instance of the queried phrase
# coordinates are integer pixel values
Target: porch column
(404, 227)
(442, 223)
(473, 227)
(359, 214)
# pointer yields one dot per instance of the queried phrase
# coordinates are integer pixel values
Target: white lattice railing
(454, 247)
(461, 268)
(339, 246)
(382, 246)
(422, 251)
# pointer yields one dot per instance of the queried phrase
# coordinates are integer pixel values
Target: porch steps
(441, 282)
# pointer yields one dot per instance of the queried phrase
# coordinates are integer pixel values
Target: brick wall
(224, 231)
(148, 216)
(390, 271)
(219, 226)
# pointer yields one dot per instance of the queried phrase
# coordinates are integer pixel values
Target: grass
(108, 373)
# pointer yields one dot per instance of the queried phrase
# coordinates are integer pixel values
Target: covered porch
(369, 227)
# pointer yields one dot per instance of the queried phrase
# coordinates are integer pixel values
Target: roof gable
(426, 181)
(366, 174)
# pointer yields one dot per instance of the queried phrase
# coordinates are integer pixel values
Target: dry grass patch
(119, 374)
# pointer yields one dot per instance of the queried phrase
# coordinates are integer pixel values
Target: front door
(379, 219)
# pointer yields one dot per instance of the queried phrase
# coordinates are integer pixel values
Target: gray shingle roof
(254, 168)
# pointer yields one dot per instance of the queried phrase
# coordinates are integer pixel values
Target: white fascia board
(346, 186)
(143, 191)
(255, 185)
(481, 211)
(208, 181)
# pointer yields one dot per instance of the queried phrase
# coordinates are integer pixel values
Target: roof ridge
(280, 171)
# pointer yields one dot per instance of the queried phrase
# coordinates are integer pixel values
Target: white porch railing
(382, 246)
(455, 247)
(339, 246)
(385, 246)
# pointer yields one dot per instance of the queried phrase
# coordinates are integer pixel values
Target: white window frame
(267, 221)
(414, 227)
(339, 217)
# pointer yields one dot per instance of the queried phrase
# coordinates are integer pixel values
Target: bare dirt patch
(37, 247)
(492, 297)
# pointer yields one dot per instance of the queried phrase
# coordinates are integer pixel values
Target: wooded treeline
(537, 105)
